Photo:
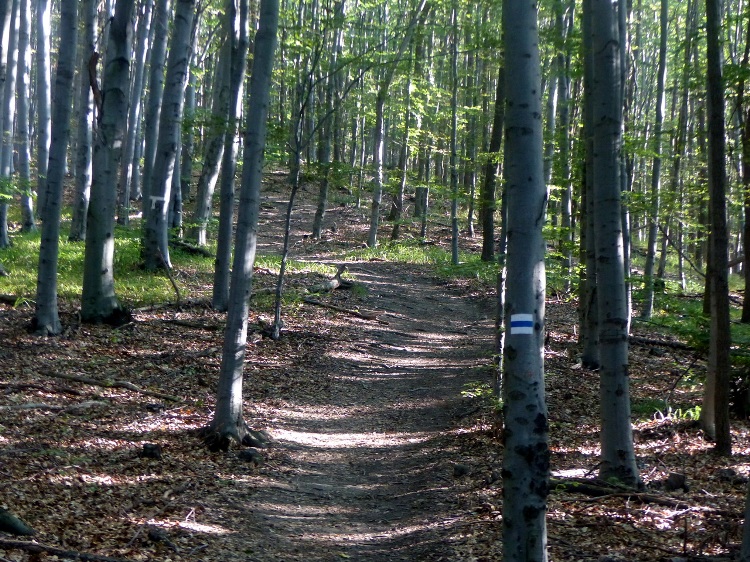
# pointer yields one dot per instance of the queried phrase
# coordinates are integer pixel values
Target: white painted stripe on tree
(522, 324)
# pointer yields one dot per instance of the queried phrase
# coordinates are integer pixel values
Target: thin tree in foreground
(526, 457)
(228, 423)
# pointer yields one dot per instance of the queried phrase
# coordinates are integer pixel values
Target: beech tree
(618, 455)
(240, 39)
(156, 221)
(228, 423)
(715, 412)
(43, 93)
(526, 454)
(85, 125)
(98, 300)
(46, 319)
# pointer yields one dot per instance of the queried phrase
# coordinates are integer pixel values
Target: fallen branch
(332, 284)
(599, 490)
(75, 408)
(10, 300)
(115, 384)
(363, 315)
(191, 248)
(9, 523)
(660, 343)
(37, 548)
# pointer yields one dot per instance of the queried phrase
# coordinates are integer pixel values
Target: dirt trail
(373, 472)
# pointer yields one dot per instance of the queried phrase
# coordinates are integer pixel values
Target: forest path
(370, 470)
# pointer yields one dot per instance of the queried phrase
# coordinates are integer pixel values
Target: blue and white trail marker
(522, 324)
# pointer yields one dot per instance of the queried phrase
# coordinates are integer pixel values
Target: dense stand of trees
(405, 106)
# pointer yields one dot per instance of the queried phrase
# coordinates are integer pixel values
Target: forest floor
(385, 446)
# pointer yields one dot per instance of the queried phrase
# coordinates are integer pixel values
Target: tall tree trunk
(152, 116)
(228, 423)
(220, 299)
(588, 294)
(217, 130)
(85, 126)
(648, 276)
(526, 458)
(715, 412)
(46, 320)
(136, 91)
(487, 192)
(98, 301)
(42, 94)
(156, 231)
(454, 135)
(8, 120)
(379, 138)
(618, 456)
(23, 144)
(564, 23)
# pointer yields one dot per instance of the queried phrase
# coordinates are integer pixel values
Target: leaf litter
(379, 452)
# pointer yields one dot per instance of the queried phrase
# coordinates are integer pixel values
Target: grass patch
(470, 266)
(134, 286)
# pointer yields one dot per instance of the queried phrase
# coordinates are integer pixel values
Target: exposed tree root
(39, 548)
(114, 384)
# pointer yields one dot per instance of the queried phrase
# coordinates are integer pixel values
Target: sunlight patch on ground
(343, 440)
(187, 524)
(374, 536)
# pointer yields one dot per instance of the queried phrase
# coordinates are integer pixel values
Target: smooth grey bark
(46, 319)
(655, 203)
(228, 423)
(188, 141)
(487, 198)
(526, 453)
(134, 115)
(98, 301)
(22, 131)
(564, 21)
(8, 109)
(85, 126)
(328, 128)
(42, 95)
(219, 124)
(378, 151)
(715, 409)
(454, 135)
(618, 455)
(588, 294)
(5, 17)
(403, 165)
(220, 297)
(152, 116)
(156, 230)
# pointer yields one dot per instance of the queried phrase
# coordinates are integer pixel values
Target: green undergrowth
(470, 266)
(134, 286)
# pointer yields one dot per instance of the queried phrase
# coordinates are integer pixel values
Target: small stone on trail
(676, 481)
(251, 455)
(151, 451)
(460, 470)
